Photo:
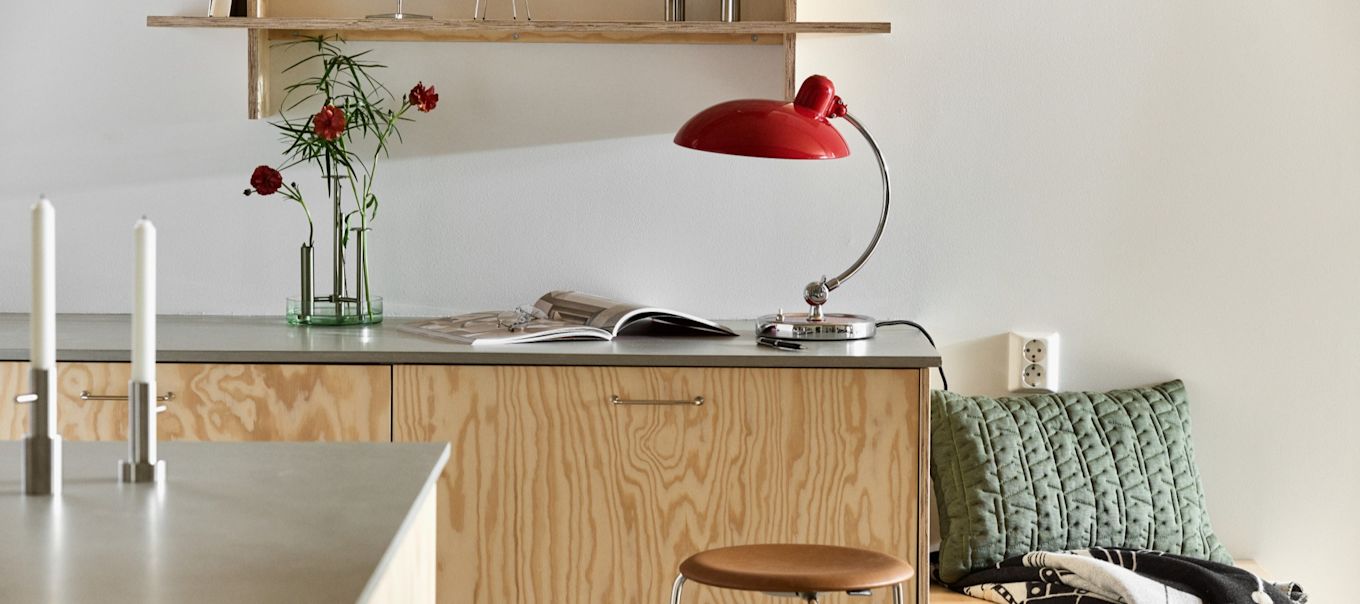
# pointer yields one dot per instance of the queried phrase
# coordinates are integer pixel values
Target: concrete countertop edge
(210, 339)
(274, 357)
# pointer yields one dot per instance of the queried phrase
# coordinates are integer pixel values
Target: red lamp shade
(775, 129)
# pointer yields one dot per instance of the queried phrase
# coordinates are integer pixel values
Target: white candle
(144, 303)
(43, 321)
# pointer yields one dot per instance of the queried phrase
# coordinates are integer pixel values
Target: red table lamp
(797, 130)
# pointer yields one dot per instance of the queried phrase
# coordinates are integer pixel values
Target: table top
(237, 339)
(234, 522)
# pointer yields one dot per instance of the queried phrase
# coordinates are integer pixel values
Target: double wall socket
(1033, 363)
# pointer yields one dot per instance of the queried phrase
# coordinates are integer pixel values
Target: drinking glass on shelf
(479, 10)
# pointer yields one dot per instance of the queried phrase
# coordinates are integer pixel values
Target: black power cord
(944, 381)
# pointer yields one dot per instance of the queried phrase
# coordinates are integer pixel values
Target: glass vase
(344, 305)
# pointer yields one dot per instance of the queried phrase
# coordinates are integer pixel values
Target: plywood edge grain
(923, 505)
(257, 65)
(451, 26)
(407, 572)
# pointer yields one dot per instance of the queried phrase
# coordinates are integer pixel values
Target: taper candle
(43, 318)
(144, 303)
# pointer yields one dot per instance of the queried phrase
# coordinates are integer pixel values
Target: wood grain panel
(790, 52)
(13, 417)
(220, 402)
(453, 27)
(554, 494)
(543, 10)
(923, 504)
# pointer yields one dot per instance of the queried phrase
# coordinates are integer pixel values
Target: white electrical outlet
(1033, 362)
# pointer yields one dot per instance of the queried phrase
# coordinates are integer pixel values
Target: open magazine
(558, 315)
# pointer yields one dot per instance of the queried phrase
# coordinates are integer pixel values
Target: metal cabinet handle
(86, 395)
(618, 400)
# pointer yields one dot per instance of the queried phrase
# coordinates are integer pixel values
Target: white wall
(1174, 186)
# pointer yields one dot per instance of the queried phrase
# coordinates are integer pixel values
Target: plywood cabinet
(554, 493)
(220, 402)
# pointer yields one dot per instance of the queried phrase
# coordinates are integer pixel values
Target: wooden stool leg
(677, 588)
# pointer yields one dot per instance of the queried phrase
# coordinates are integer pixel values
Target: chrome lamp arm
(817, 292)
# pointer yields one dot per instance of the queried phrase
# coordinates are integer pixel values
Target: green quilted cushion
(1065, 471)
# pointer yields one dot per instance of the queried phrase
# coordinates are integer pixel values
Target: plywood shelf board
(474, 26)
(263, 27)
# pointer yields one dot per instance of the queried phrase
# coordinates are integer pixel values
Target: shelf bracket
(790, 51)
(257, 65)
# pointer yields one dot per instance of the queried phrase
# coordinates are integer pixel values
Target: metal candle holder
(42, 445)
(142, 465)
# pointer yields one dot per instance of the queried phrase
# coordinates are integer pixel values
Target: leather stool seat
(795, 568)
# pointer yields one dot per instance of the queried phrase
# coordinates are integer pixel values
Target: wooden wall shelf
(688, 32)
(302, 17)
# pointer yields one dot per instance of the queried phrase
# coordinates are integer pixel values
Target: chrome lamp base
(801, 326)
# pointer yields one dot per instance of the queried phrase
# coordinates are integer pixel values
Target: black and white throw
(1122, 576)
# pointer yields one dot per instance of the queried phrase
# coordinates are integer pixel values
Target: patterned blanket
(1122, 576)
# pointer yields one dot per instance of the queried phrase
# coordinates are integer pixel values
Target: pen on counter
(779, 344)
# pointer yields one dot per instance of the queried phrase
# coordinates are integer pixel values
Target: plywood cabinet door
(220, 402)
(553, 493)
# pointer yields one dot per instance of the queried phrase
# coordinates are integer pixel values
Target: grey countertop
(216, 339)
(234, 522)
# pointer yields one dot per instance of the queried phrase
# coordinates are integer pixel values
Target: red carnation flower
(266, 180)
(423, 98)
(329, 123)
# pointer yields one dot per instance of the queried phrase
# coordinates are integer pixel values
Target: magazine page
(584, 309)
(481, 328)
(612, 315)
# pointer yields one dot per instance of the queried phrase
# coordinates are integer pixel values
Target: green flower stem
(293, 193)
(361, 198)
